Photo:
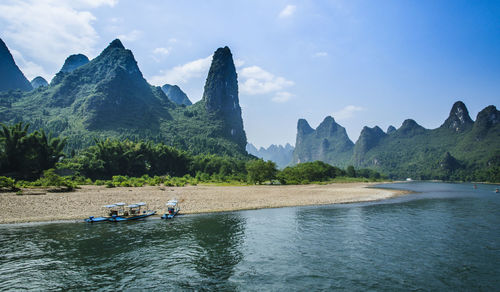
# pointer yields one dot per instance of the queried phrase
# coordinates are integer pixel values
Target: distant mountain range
(460, 149)
(280, 155)
(108, 97)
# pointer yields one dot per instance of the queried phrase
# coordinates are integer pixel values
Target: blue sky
(362, 62)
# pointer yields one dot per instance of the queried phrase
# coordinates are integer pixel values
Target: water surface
(446, 237)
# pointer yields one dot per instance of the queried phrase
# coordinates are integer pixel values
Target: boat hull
(130, 218)
(93, 219)
(169, 216)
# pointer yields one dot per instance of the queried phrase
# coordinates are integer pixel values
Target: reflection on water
(217, 252)
(444, 238)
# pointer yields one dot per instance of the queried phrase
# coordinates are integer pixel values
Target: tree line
(26, 156)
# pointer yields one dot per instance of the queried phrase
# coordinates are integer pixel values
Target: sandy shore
(38, 205)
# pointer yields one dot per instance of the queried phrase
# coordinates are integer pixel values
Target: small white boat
(172, 209)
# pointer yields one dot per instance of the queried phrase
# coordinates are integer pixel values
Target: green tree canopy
(260, 171)
(26, 155)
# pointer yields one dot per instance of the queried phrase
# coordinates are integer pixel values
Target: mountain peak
(369, 138)
(116, 43)
(410, 128)
(74, 61)
(221, 95)
(303, 127)
(328, 127)
(221, 86)
(391, 129)
(39, 81)
(11, 76)
(328, 120)
(459, 119)
(487, 119)
(175, 94)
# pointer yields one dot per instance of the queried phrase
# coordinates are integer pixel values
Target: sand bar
(39, 205)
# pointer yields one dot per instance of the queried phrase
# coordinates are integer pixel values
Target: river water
(446, 237)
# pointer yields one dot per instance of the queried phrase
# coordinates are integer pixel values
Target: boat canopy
(171, 203)
(110, 206)
(133, 206)
(141, 204)
(120, 204)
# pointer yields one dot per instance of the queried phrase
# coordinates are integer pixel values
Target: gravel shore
(39, 205)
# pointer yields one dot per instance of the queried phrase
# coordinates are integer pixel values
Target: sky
(365, 63)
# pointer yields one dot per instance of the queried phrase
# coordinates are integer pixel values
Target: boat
(134, 213)
(172, 209)
(110, 211)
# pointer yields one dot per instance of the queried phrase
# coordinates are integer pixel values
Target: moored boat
(134, 213)
(110, 211)
(172, 209)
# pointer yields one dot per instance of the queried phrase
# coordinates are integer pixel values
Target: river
(444, 237)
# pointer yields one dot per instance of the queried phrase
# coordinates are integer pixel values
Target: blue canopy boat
(113, 209)
(172, 209)
(133, 213)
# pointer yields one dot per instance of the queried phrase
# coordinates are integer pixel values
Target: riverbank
(39, 206)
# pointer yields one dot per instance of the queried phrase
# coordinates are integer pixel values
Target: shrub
(7, 184)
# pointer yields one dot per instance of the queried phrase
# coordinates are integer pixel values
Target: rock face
(280, 155)
(39, 81)
(10, 75)
(391, 129)
(175, 94)
(368, 139)
(459, 120)
(409, 128)
(459, 149)
(328, 143)
(113, 92)
(71, 63)
(487, 124)
(74, 61)
(221, 96)
(108, 97)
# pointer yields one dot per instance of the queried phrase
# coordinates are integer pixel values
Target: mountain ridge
(108, 97)
(11, 77)
(471, 147)
(279, 154)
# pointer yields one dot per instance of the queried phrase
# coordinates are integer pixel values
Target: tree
(260, 171)
(350, 171)
(26, 155)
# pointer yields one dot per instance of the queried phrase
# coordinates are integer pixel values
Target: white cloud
(183, 73)
(282, 97)
(255, 80)
(89, 3)
(131, 36)
(321, 54)
(238, 63)
(161, 51)
(288, 11)
(347, 112)
(29, 69)
(50, 30)
(160, 54)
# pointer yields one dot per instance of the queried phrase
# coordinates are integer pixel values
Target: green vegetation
(25, 155)
(109, 98)
(459, 150)
(115, 163)
(328, 142)
(7, 184)
(318, 171)
(260, 171)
